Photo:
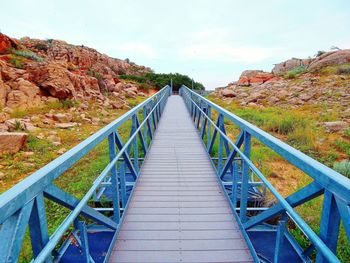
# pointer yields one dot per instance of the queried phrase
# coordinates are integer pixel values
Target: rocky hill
(33, 72)
(324, 80)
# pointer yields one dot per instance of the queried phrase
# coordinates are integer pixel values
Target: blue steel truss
(237, 172)
(23, 205)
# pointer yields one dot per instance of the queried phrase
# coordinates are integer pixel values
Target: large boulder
(24, 94)
(290, 64)
(4, 90)
(249, 77)
(54, 78)
(12, 142)
(331, 58)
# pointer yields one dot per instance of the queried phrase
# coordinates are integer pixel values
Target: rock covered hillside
(324, 80)
(33, 72)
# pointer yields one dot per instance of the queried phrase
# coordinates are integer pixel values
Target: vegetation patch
(161, 80)
(28, 54)
(291, 74)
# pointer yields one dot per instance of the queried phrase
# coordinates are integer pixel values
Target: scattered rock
(118, 105)
(62, 117)
(12, 142)
(66, 125)
(335, 126)
(61, 151)
(28, 154)
(228, 93)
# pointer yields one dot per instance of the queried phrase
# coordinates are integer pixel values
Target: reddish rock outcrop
(54, 69)
(327, 59)
(331, 58)
(249, 77)
(6, 44)
(290, 64)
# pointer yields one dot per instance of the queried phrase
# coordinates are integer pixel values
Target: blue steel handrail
(23, 204)
(335, 187)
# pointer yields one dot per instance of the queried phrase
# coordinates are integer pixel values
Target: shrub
(343, 145)
(27, 54)
(343, 70)
(291, 74)
(320, 53)
(94, 74)
(41, 46)
(67, 103)
(347, 133)
(16, 62)
(160, 80)
(303, 139)
(343, 167)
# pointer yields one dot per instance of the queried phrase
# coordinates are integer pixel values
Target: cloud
(137, 50)
(224, 52)
(217, 44)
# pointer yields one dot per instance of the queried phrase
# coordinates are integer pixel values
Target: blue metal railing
(234, 164)
(23, 205)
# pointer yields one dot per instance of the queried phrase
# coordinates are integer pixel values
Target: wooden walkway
(178, 212)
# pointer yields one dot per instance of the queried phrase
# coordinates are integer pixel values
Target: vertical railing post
(84, 241)
(144, 131)
(114, 178)
(245, 178)
(330, 222)
(209, 126)
(234, 173)
(280, 237)
(122, 180)
(221, 142)
(39, 235)
(135, 144)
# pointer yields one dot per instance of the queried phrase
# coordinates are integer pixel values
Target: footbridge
(177, 189)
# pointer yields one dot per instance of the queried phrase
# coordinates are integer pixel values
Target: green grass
(343, 167)
(17, 62)
(300, 128)
(59, 105)
(291, 74)
(343, 145)
(27, 54)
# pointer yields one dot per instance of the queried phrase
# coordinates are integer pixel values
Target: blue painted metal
(336, 204)
(23, 204)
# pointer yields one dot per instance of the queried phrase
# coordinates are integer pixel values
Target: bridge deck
(178, 212)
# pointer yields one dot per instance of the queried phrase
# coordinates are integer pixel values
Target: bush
(291, 74)
(94, 74)
(343, 167)
(303, 139)
(16, 62)
(160, 80)
(343, 145)
(41, 46)
(27, 54)
(343, 70)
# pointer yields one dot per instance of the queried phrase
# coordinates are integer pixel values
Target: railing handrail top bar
(70, 157)
(276, 145)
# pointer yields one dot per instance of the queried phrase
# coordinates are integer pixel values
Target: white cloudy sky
(212, 41)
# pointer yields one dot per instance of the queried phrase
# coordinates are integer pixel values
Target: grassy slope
(76, 180)
(299, 128)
